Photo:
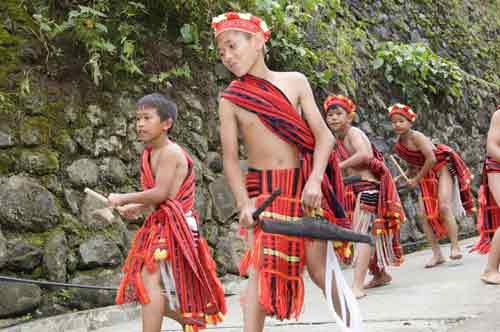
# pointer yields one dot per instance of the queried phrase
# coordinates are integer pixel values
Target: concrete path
(449, 298)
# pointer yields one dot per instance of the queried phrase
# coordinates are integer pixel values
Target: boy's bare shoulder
(172, 154)
(417, 135)
(295, 76)
(496, 116)
(355, 131)
(225, 104)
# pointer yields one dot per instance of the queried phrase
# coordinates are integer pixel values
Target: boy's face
(149, 125)
(239, 51)
(400, 124)
(338, 118)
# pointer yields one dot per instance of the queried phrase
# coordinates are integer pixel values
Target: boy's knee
(444, 209)
(150, 278)
(317, 276)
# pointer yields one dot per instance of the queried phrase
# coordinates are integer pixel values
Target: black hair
(334, 107)
(165, 108)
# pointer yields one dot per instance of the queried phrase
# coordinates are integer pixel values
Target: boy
(488, 217)
(167, 248)
(443, 179)
(372, 202)
(283, 150)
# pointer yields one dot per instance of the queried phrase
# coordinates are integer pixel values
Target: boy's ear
(259, 40)
(167, 124)
(352, 117)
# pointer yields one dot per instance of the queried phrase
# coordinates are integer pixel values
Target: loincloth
(369, 220)
(488, 216)
(278, 259)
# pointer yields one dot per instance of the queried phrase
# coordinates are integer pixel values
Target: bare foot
(379, 280)
(358, 293)
(456, 254)
(491, 278)
(435, 261)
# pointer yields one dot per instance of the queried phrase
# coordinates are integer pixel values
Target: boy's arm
(362, 154)
(168, 162)
(312, 194)
(493, 140)
(425, 146)
(232, 170)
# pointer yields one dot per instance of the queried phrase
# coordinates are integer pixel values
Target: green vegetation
(417, 72)
(333, 42)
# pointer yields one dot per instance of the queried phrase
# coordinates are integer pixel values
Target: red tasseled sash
(390, 213)
(201, 296)
(273, 108)
(488, 216)
(429, 183)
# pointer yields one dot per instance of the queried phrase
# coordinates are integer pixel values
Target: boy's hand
(246, 219)
(312, 194)
(115, 200)
(130, 211)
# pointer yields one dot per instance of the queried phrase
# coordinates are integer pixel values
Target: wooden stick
(96, 195)
(399, 168)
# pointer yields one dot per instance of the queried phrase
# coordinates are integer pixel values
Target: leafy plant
(177, 72)
(417, 71)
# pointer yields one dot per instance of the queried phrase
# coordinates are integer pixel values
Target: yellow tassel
(209, 319)
(188, 328)
(221, 316)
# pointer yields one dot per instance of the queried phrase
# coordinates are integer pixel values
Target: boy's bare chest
(349, 147)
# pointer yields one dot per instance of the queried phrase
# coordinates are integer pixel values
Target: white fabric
(168, 276)
(456, 201)
(168, 283)
(191, 221)
(348, 301)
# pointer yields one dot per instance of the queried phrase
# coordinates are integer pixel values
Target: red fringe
(488, 216)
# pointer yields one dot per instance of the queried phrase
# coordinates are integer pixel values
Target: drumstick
(96, 196)
(399, 168)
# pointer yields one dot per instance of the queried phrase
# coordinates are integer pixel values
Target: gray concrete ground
(448, 298)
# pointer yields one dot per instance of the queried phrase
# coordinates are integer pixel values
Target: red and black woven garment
(445, 157)
(488, 216)
(200, 293)
(387, 208)
(273, 108)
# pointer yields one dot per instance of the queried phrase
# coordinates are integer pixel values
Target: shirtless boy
(372, 202)
(167, 250)
(283, 151)
(442, 177)
(488, 217)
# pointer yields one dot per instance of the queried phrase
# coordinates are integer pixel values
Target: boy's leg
(446, 211)
(360, 269)
(491, 273)
(437, 256)
(152, 313)
(380, 278)
(253, 313)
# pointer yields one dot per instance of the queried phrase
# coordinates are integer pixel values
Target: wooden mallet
(105, 213)
(96, 196)
(399, 168)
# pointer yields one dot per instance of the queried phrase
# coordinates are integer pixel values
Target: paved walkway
(448, 298)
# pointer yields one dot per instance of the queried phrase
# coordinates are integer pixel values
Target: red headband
(240, 21)
(342, 101)
(403, 110)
